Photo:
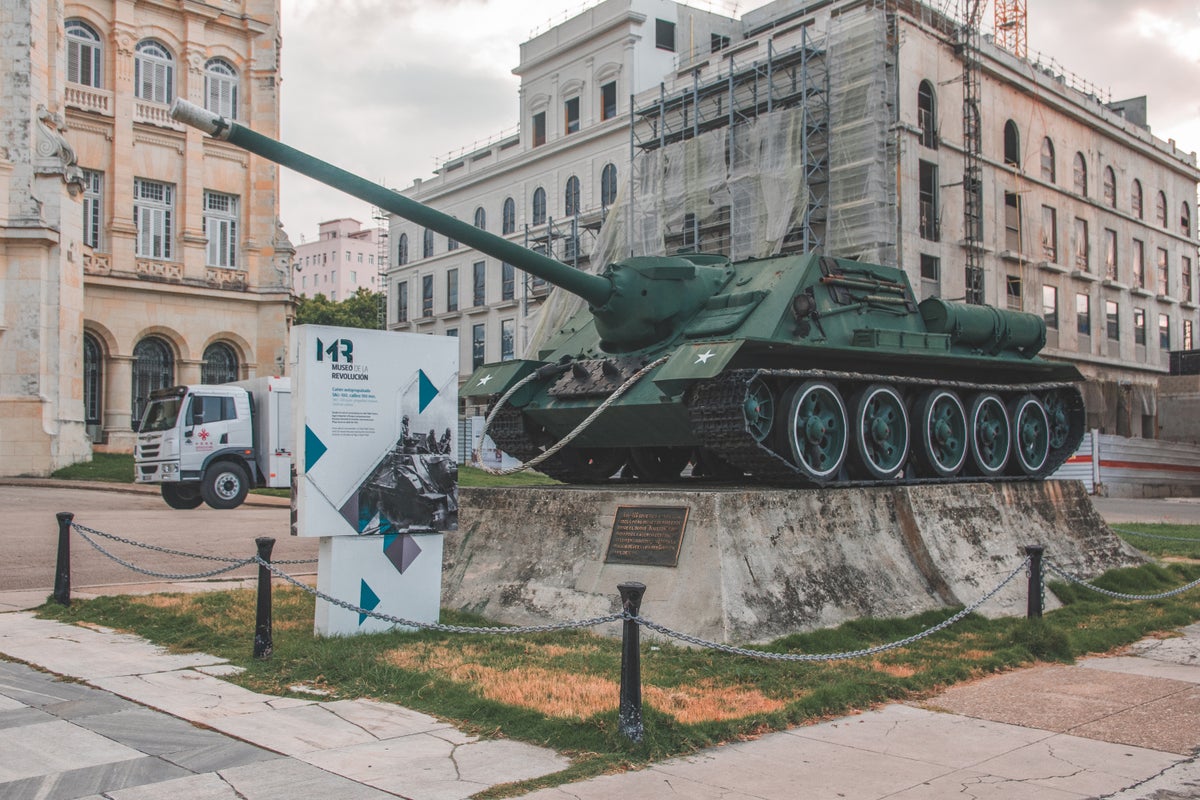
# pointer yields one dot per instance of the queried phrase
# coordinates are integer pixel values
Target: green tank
(798, 369)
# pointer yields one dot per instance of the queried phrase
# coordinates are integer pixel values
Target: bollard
(1034, 607)
(62, 571)
(629, 716)
(262, 623)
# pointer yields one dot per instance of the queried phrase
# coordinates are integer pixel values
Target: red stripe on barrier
(1142, 465)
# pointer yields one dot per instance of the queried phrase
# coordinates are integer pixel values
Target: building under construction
(889, 132)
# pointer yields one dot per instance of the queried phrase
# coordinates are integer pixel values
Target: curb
(127, 488)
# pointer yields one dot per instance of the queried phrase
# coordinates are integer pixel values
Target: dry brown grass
(575, 695)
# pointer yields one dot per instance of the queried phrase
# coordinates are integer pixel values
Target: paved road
(29, 536)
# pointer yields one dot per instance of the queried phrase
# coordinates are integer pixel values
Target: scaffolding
(382, 221)
(968, 45)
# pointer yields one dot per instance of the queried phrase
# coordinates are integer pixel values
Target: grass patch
(1163, 548)
(118, 468)
(561, 689)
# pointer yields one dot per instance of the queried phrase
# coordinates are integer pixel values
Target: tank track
(509, 433)
(715, 409)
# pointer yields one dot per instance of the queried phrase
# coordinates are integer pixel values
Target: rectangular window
(478, 286)
(1012, 222)
(1187, 334)
(1164, 277)
(347, 256)
(1110, 254)
(452, 332)
(220, 226)
(359, 257)
(718, 42)
(1139, 264)
(608, 100)
(1185, 280)
(353, 277)
(929, 227)
(931, 268)
(539, 129)
(452, 289)
(1050, 306)
(1050, 234)
(1112, 318)
(477, 346)
(664, 35)
(402, 301)
(1164, 332)
(973, 283)
(153, 214)
(1083, 314)
(221, 93)
(571, 115)
(93, 217)
(1081, 245)
(426, 295)
(1013, 291)
(507, 329)
(507, 281)
(1139, 326)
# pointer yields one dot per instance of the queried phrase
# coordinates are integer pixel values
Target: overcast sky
(389, 88)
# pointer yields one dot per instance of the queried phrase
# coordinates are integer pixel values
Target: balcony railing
(87, 98)
(155, 114)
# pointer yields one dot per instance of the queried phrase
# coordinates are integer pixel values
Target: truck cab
(213, 443)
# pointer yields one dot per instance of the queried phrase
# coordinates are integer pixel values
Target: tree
(360, 310)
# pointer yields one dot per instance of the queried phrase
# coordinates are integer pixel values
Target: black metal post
(1034, 608)
(262, 624)
(62, 571)
(629, 716)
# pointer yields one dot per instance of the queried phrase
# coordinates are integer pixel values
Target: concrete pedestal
(756, 564)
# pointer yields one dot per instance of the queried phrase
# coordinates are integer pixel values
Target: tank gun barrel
(596, 290)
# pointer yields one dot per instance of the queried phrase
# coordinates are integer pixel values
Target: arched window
(1110, 187)
(427, 244)
(1012, 144)
(153, 368)
(481, 219)
(927, 114)
(508, 222)
(221, 88)
(402, 250)
(83, 53)
(220, 364)
(93, 365)
(571, 200)
(153, 72)
(1048, 169)
(1135, 199)
(1080, 175)
(539, 206)
(1160, 209)
(608, 185)
(1185, 219)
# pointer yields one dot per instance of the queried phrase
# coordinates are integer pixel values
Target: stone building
(135, 252)
(869, 129)
(342, 259)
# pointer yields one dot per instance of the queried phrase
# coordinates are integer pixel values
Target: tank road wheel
(224, 485)
(182, 495)
(990, 435)
(939, 433)
(880, 432)
(816, 429)
(659, 464)
(1058, 412)
(759, 409)
(1031, 434)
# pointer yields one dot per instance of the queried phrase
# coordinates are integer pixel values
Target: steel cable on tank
(563, 442)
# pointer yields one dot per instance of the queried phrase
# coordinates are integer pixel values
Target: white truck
(213, 443)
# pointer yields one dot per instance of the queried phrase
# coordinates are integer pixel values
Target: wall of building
(339, 262)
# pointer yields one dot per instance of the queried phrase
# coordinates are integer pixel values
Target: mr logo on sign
(340, 352)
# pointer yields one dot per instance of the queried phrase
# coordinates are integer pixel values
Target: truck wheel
(182, 495)
(225, 485)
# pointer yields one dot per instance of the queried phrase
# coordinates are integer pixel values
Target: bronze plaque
(647, 535)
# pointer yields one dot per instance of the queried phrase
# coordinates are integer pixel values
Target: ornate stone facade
(133, 252)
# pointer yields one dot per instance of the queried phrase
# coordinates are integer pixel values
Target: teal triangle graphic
(388, 539)
(314, 448)
(367, 599)
(427, 391)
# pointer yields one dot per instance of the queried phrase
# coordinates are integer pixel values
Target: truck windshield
(160, 414)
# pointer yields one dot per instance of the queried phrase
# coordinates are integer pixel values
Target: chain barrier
(166, 575)
(1119, 595)
(1158, 536)
(867, 651)
(436, 626)
(83, 529)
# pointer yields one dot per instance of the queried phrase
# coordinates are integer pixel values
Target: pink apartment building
(344, 258)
